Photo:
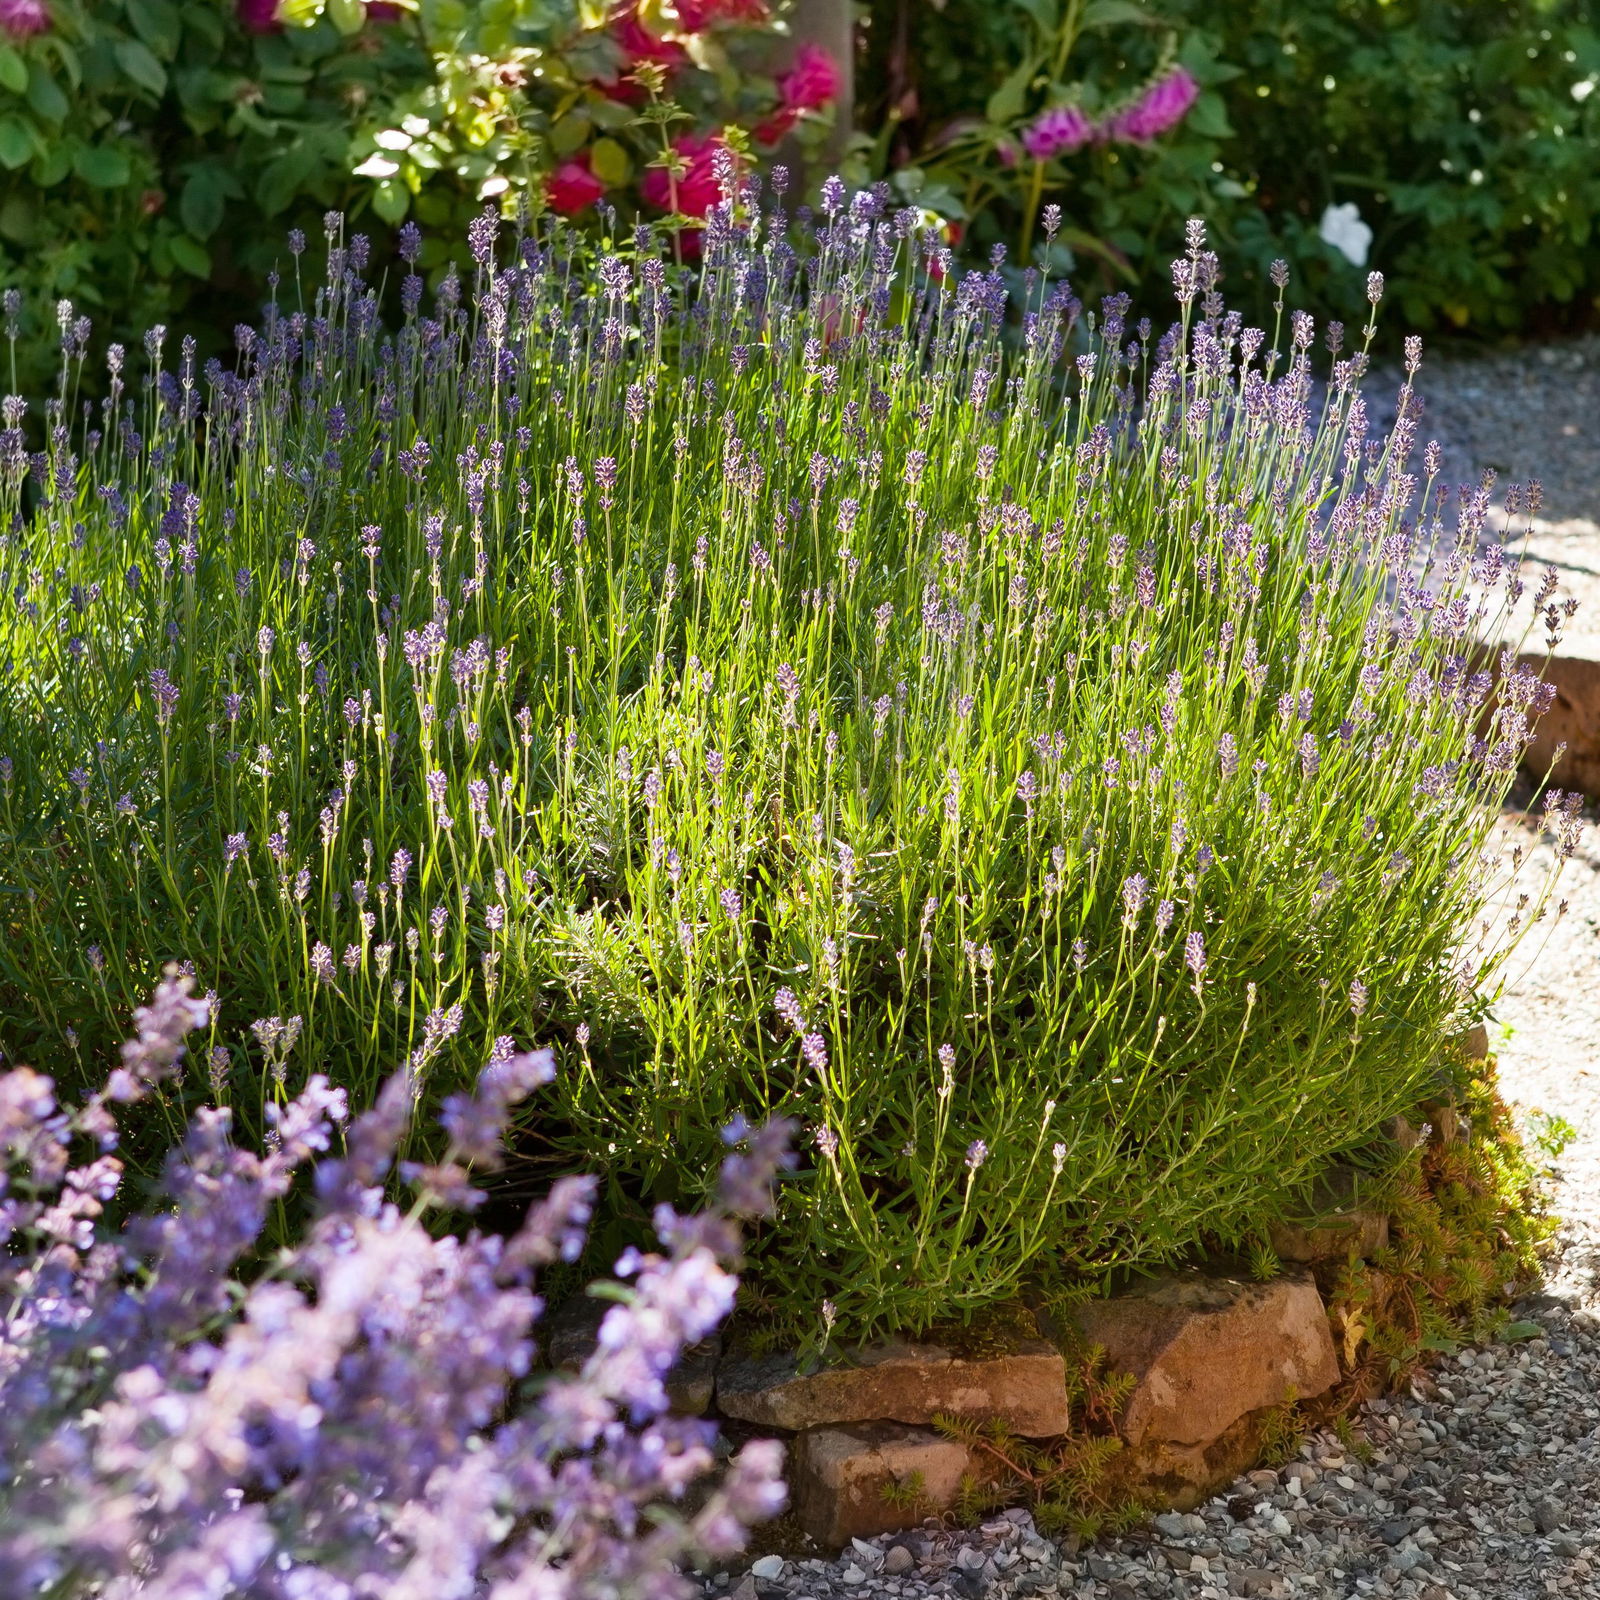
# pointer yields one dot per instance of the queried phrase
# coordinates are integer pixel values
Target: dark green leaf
(136, 60)
(391, 200)
(44, 94)
(194, 258)
(1046, 13)
(1516, 1332)
(1115, 13)
(53, 162)
(281, 178)
(1209, 117)
(1006, 103)
(158, 23)
(16, 143)
(13, 70)
(17, 217)
(102, 166)
(200, 205)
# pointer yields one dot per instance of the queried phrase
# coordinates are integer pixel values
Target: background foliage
(1465, 132)
(153, 155)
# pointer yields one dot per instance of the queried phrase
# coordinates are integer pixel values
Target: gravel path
(1532, 413)
(1483, 1477)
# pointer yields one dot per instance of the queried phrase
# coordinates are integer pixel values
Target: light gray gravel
(1483, 1479)
(1529, 413)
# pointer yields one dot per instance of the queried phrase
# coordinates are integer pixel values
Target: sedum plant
(356, 1419)
(1048, 758)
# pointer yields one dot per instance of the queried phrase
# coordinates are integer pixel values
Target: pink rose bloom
(812, 82)
(1162, 106)
(259, 16)
(698, 189)
(573, 187)
(1057, 131)
(23, 18)
(695, 16)
(637, 44)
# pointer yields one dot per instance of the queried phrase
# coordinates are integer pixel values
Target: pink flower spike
(1057, 131)
(1162, 106)
(21, 19)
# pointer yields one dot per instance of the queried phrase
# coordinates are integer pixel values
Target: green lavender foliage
(1053, 767)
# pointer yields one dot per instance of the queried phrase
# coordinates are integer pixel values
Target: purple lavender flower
(1134, 892)
(372, 1378)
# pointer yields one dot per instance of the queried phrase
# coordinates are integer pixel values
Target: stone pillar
(829, 24)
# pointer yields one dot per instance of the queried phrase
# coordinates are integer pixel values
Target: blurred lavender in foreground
(353, 1422)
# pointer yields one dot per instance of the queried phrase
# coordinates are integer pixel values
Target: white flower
(1343, 228)
(1582, 89)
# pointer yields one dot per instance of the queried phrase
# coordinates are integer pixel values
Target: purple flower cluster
(355, 1420)
(1159, 108)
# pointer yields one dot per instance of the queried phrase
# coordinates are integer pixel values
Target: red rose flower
(637, 44)
(259, 16)
(573, 187)
(698, 189)
(695, 16)
(812, 82)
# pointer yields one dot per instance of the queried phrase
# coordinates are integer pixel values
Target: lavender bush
(1047, 758)
(354, 1421)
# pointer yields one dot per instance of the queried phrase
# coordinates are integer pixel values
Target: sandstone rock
(1183, 1476)
(1335, 1223)
(1573, 720)
(843, 1481)
(693, 1381)
(1025, 1386)
(1475, 1041)
(1208, 1350)
(1403, 1132)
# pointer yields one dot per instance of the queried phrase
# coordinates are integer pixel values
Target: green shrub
(1463, 133)
(1057, 782)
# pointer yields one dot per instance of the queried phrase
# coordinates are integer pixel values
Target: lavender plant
(356, 1420)
(1048, 758)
